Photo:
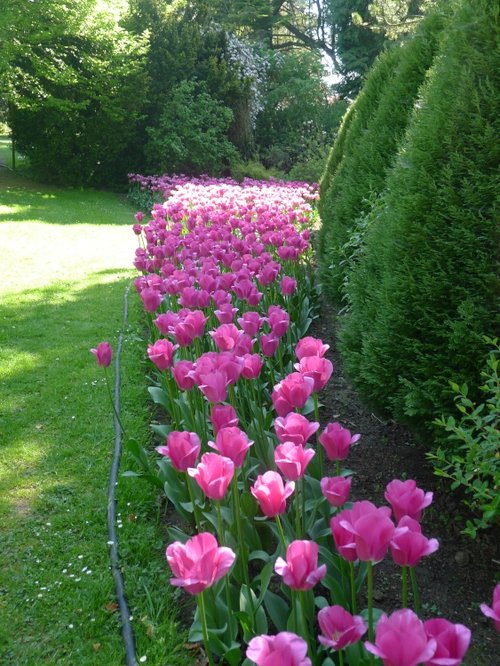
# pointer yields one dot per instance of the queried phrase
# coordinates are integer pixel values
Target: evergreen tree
(423, 295)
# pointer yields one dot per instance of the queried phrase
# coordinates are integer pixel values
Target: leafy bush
(255, 170)
(191, 136)
(470, 458)
(423, 293)
(381, 117)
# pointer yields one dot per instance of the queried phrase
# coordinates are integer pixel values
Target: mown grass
(65, 260)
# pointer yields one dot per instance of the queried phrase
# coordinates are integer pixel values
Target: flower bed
(276, 553)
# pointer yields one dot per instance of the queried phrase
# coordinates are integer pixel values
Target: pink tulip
(244, 345)
(343, 538)
(337, 441)
(223, 416)
(213, 474)
(339, 628)
(252, 365)
(406, 499)
(279, 321)
(182, 449)
(288, 285)
(269, 344)
(401, 639)
(294, 428)
(284, 649)
(166, 322)
(214, 385)
(309, 346)
(372, 530)
(225, 313)
(409, 545)
(292, 460)
(161, 353)
(300, 571)
(184, 333)
(452, 642)
(103, 354)
(199, 563)
(197, 320)
(139, 216)
(494, 611)
(232, 443)
(251, 323)
(271, 493)
(225, 336)
(292, 393)
(335, 489)
(182, 375)
(319, 369)
(151, 299)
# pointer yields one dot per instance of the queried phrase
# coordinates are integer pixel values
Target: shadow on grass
(57, 206)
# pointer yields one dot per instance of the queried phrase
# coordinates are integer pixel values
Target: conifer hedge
(359, 159)
(425, 291)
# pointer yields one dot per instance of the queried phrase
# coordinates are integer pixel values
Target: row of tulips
(279, 554)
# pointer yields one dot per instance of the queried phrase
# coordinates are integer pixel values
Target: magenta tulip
(225, 336)
(493, 612)
(292, 393)
(103, 354)
(252, 365)
(319, 369)
(284, 649)
(182, 448)
(339, 628)
(161, 353)
(279, 321)
(269, 344)
(223, 416)
(251, 323)
(343, 539)
(406, 499)
(300, 571)
(271, 493)
(401, 640)
(409, 545)
(294, 428)
(337, 441)
(199, 563)
(213, 474)
(232, 443)
(288, 285)
(309, 346)
(292, 460)
(182, 375)
(151, 299)
(335, 489)
(214, 385)
(372, 530)
(452, 642)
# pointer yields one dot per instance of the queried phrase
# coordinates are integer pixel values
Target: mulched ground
(462, 573)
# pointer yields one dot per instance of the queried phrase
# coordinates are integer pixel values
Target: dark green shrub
(469, 457)
(191, 137)
(423, 295)
(381, 114)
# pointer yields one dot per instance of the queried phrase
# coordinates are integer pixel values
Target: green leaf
(159, 396)
(277, 609)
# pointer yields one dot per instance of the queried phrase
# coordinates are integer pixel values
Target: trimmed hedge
(359, 160)
(424, 293)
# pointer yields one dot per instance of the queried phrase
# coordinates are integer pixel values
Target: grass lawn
(66, 257)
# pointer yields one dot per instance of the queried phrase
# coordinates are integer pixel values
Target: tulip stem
(341, 658)
(353, 588)
(281, 533)
(298, 522)
(404, 583)
(195, 506)
(302, 486)
(305, 623)
(222, 539)
(204, 628)
(370, 605)
(243, 546)
(318, 447)
(414, 588)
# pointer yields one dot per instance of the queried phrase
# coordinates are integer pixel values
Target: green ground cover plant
(66, 257)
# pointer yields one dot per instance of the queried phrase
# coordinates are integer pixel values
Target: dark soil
(463, 572)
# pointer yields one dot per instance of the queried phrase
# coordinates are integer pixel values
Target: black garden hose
(127, 632)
